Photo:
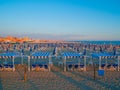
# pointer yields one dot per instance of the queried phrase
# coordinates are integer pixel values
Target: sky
(61, 19)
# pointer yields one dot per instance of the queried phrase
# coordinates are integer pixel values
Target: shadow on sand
(74, 82)
(106, 85)
(1, 88)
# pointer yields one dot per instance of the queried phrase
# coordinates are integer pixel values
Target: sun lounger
(8, 67)
(42, 66)
(70, 67)
(46, 66)
(111, 67)
(33, 67)
(103, 66)
(1, 67)
(76, 66)
(115, 65)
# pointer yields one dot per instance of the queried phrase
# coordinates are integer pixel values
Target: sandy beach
(56, 79)
(59, 80)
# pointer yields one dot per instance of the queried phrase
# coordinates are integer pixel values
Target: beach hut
(41, 64)
(74, 63)
(10, 55)
(105, 56)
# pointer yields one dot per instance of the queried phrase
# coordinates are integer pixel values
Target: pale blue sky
(61, 19)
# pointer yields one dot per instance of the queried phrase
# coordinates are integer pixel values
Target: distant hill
(12, 39)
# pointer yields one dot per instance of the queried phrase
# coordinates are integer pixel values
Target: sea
(101, 42)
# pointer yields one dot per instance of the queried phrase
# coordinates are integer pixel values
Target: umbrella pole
(94, 71)
(25, 73)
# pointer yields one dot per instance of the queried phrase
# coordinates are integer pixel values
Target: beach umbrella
(9, 55)
(114, 51)
(106, 56)
(22, 51)
(101, 49)
(94, 48)
(7, 50)
(84, 53)
(42, 55)
(73, 55)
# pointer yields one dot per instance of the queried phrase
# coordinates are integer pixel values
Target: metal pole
(22, 58)
(99, 62)
(65, 63)
(28, 63)
(49, 62)
(13, 63)
(118, 62)
(106, 63)
(25, 73)
(85, 63)
(94, 71)
(79, 63)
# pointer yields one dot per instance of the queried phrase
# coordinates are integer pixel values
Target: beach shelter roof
(104, 55)
(71, 54)
(41, 54)
(9, 54)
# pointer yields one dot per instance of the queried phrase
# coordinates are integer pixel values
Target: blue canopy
(71, 54)
(104, 55)
(8, 54)
(41, 54)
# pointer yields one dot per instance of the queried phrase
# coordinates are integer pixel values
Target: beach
(59, 44)
(59, 80)
(56, 78)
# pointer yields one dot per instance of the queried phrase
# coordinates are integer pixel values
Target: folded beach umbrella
(114, 51)
(84, 53)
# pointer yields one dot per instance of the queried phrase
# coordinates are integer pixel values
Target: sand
(57, 79)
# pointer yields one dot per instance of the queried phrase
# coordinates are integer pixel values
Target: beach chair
(37, 68)
(77, 67)
(115, 66)
(60, 64)
(103, 66)
(1, 67)
(110, 67)
(5, 67)
(40, 65)
(10, 67)
(33, 67)
(46, 68)
(82, 67)
(70, 67)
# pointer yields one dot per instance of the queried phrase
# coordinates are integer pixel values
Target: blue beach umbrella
(114, 51)
(94, 48)
(84, 53)
(101, 49)
(22, 51)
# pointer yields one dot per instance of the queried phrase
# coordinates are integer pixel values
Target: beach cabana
(41, 63)
(72, 55)
(10, 55)
(105, 56)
